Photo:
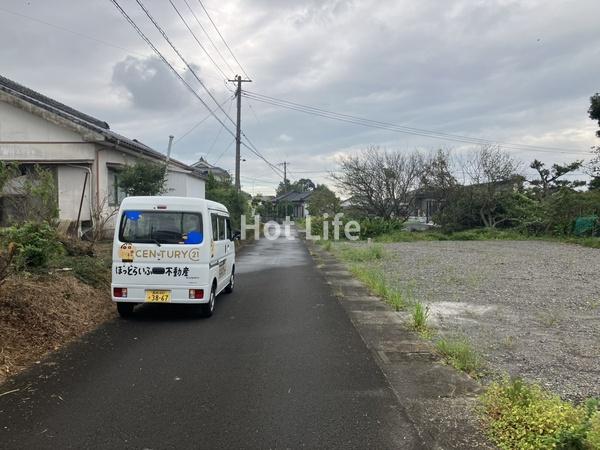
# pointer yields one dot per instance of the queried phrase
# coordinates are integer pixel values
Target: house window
(115, 193)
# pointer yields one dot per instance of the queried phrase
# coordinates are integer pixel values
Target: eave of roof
(79, 118)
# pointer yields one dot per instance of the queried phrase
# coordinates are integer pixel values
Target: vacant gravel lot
(531, 308)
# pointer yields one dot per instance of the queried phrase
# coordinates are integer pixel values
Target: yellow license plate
(158, 296)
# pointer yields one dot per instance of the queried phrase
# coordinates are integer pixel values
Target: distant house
(206, 168)
(292, 203)
(83, 153)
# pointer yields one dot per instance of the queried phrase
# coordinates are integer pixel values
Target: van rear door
(161, 249)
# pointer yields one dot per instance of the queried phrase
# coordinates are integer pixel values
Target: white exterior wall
(195, 187)
(70, 187)
(32, 124)
(184, 185)
(19, 125)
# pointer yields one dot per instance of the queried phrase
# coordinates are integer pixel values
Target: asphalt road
(279, 365)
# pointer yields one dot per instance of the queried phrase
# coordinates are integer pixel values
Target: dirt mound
(39, 314)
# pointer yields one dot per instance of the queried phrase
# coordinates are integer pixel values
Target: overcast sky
(509, 71)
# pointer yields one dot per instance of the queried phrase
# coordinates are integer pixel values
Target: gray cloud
(518, 71)
(150, 84)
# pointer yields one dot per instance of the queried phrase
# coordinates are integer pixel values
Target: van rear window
(163, 227)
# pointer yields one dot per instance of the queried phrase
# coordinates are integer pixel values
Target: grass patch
(460, 354)
(420, 314)
(481, 234)
(363, 253)
(374, 279)
(524, 416)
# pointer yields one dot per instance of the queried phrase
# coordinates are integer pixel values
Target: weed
(420, 315)
(375, 281)
(327, 245)
(363, 253)
(339, 292)
(460, 354)
(509, 342)
(549, 319)
(395, 299)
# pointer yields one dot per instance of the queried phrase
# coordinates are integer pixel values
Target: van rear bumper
(137, 293)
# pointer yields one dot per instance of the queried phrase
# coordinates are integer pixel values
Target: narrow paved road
(279, 365)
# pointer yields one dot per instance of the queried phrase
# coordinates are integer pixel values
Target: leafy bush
(223, 191)
(143, 178)
(374, 226)
(593, 435)
(36, 244)
(93, 271)
(33, 196)
(522, 415)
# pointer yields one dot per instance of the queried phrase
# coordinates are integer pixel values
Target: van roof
(176, 202)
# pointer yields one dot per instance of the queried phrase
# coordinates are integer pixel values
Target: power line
(311, 110)
(164, 35)
(197, 40)
(255, 150)
(208, 36)
(217, 136)
(199, 123)
(223, 152)
(160, 29)
(251, 147)
(160, 55)
(222, 38)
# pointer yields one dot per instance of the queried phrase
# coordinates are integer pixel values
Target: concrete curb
(438, 399)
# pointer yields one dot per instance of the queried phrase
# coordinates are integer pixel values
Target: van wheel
(231, 285)
(125, 309)
(208, 309)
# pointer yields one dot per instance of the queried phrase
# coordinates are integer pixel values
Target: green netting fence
(587, 226)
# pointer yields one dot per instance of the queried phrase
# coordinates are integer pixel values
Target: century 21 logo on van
(128, 252)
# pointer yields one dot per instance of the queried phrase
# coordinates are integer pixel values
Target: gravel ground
(531, 308)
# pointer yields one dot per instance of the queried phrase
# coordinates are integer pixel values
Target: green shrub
(522, 415)
(93, 271)
(36, 244)
(593, 435)
(372, 227)
(460, 355)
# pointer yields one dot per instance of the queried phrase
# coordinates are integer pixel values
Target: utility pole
(284, 164)
(169, 150)
(238, 130)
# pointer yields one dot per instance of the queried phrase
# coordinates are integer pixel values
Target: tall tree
(549, 181)
(143, 178)
(302, 185)
(381, 183)
(323, 200)
(594, 110)
(594, 165)
(493, 175)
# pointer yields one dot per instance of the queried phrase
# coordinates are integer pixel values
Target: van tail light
(196, 294)
(120, 292)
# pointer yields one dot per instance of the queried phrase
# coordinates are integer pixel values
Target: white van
(172, 250)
